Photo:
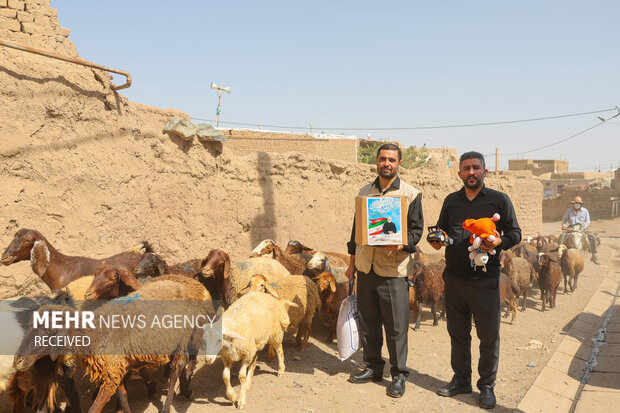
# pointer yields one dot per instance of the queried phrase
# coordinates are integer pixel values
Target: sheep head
(261, 284)
(21, 246)
(263, 248)
(296, 247)
(107, 283)
(151, 265)
(319, 262)
(326, 280)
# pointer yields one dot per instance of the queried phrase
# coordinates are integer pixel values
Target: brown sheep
(232, 279)
(136, 348)
(520, 271)
(426, 259)
(333, 289)
(337, 259)
(429, 289)
(571, 262)
(528, 252)
(508, 293)
(549, 277)
(152, 265)
(294, 263)
(57, 270)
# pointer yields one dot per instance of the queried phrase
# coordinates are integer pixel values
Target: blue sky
(362, 64)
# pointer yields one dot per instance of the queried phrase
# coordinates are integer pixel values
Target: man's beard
(474, 185)
(388, 173)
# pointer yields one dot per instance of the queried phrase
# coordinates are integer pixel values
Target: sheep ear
(39, 258)
(332, 283)
(128, 278)
(160, 268)
(270, 290)
(226, 266)
(229, 334)
(288, 304)
(304, 248)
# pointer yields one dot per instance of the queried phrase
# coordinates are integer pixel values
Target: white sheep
(298, 289)
(253, 321)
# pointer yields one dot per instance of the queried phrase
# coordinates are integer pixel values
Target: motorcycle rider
(577, 214)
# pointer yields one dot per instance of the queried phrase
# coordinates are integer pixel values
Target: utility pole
(497, 162)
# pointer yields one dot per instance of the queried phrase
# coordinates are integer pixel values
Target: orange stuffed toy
(483, 227)
(480, 228)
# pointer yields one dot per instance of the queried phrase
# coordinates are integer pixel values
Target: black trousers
(480, 298)
(384, 301)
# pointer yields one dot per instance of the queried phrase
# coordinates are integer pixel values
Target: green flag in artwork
(377, 223)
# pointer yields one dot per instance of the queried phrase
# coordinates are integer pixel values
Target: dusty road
(315, 381)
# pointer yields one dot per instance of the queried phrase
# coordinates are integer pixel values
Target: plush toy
(480, 229)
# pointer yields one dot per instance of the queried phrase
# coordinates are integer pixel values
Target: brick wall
(33, 23)
(243, 142)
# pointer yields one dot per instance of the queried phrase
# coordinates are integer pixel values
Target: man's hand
(436, 244)
(563, 227)
(488, 245)
(350, 273)
(392, 247)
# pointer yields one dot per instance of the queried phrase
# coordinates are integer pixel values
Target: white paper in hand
(347, 329)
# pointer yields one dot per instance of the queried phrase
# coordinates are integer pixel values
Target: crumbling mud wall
(95, 174)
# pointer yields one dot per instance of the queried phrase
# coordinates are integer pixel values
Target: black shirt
(389, 227)
(456, 209)
(415, 220)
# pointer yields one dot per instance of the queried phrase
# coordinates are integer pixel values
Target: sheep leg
(280, 353)
(306, 336)
(121, 394)
(230, 391)
(245, 377)
(419, 317)
(174, 375)
(565, 284)
(543, 297)
(573, 286)
(103, 395)
(524, 299)
(434, 310)
(68, 387)
(186, 376)
(151, 387)
(270, 353)
(513, 308)
(243, 371)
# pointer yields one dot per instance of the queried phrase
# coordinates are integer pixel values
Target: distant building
(538, 166)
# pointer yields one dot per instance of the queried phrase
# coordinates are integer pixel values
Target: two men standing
(469, 292)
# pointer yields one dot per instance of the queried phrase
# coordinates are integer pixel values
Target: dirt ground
(315, 380)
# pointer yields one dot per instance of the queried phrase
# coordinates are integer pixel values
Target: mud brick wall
(243, 142)
(33, 23)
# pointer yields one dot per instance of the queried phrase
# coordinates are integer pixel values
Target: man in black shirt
(469, 290)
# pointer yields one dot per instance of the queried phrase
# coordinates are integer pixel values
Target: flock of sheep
(261, 297)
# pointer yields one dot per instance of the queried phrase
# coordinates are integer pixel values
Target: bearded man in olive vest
(382, 289)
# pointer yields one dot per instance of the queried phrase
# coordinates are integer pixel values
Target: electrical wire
(464, 125)
(603, 121)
